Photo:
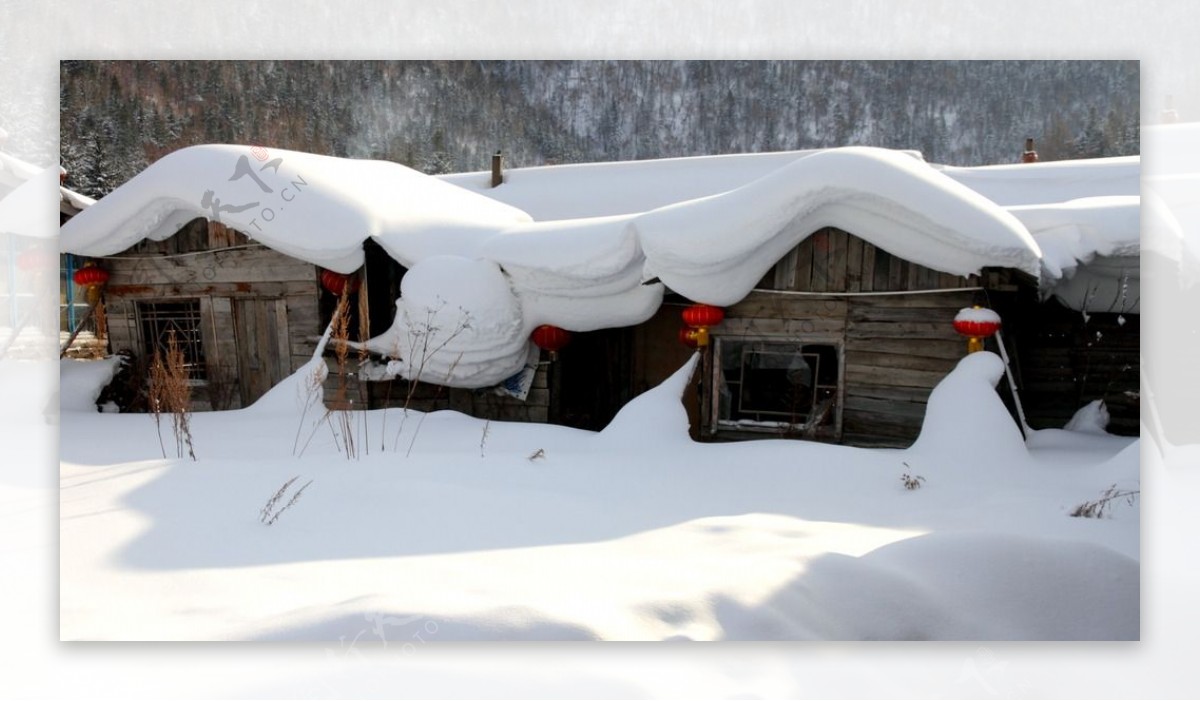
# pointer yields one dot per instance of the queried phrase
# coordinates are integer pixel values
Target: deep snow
(490, 530)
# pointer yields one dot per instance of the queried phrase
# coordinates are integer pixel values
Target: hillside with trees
(450, 116)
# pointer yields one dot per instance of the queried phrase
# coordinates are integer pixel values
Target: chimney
(497, 169)
(1029, 155)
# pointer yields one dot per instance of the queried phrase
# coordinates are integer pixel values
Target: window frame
(830, 431)
(147, 315)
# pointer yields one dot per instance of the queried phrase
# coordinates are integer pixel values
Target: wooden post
(554, 383)
(78, 327)
(497, 169)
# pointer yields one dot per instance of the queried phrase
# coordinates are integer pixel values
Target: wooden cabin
(247, 316)
(244, 315)
(841, 341)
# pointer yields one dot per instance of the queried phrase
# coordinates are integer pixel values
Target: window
(777, 385)
(159, 319)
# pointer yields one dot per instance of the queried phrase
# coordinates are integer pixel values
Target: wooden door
(261, 332)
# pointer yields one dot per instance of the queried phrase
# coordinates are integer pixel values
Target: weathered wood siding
(1068, 360)
(832, 260)
(894, 347)
(482, 404)
(898, 347)
(657, 354)
(259, 317)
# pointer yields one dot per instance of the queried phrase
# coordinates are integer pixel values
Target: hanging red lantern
(702, 315)
(699, 317)
(93, 277)
(336, 282)
(90, 275)
(550, 338)
(976, 323)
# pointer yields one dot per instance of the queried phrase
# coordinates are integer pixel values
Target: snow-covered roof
(1086, 218)
(316, 208)
(585, 190)
(1049, 182)
(74, 199)
(708, 228)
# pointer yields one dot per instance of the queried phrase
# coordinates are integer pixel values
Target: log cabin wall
(481, 404)
(255, 308)
(892, 346)
(1068, 359)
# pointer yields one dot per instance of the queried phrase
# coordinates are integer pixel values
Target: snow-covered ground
(446, 527)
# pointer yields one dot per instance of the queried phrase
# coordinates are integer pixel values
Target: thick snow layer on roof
(890, 200)
(623, 187)
(1051, 181)
(75, 199)
(1070, 233)
(316, 208)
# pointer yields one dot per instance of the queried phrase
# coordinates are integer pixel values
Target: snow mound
(296, 392)
(82, 381)
(1091, 418)
(966, 422)
(581, 275)
(470, 333)
(964, 586)
(1006, 587)
(655, 417)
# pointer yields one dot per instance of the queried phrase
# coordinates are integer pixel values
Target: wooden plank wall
(832, 260)
(1067, 360)
(657, 353)
(895, 347)
(482, 404)
(217, 278)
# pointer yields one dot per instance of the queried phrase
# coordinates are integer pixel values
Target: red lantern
(689, 337)
(90, 276)
(702, 315)
(699, 317)
(976, 323)
(336, 282)
(550, 338)
(93, 277)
